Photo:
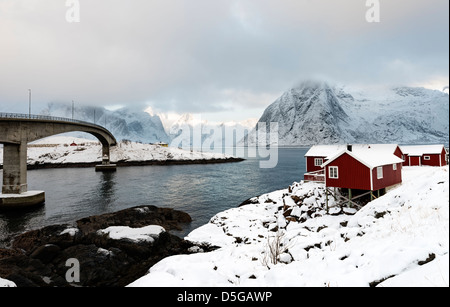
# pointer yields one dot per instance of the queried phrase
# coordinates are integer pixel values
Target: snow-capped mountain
(191, 130)
(185, 130)
(317, 113)
(124, 123)
(313, 112)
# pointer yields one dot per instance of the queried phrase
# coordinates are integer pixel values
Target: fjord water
(201, 190)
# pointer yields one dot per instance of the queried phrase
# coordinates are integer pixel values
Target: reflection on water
(104, 193)
(201, 190)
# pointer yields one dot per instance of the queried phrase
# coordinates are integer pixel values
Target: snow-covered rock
(427, 275)
(399, 239)
(6, 283)
(147, 233)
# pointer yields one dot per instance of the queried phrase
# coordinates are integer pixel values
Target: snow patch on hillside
(57, 150)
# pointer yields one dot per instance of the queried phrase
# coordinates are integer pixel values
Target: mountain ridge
(314, 112)
(124, 123)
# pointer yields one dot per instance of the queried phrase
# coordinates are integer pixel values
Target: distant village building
(418, 155)
(162, 144)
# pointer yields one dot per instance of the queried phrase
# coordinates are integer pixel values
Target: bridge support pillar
(14, 168)
(15, 192)
(106, 166)
(106, 154)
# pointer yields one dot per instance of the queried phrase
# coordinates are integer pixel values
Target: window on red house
(379, 172)
(333, 172)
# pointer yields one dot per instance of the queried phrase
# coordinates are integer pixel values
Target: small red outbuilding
(418, 155)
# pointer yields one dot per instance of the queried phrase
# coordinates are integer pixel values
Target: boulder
(40, 257)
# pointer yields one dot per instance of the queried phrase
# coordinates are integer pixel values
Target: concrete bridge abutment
(14, 168)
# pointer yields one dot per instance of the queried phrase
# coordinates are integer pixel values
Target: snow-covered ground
(57, 150)
(286, 238)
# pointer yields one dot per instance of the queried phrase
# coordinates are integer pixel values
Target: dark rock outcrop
(40, 257)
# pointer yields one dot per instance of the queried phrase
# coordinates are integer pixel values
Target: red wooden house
(418, 155)
(322, 154)
(369, 170)
(318, 154)
(315, 157)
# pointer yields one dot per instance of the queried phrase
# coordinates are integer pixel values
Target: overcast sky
(226, 59)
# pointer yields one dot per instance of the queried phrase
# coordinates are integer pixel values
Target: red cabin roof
(370, 158)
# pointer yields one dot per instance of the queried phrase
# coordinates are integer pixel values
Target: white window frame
(394, 166)
(333, 172)
(426, 158)
(379, 172)
(318, 161)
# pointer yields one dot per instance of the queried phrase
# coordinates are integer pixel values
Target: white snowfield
(399, 239)
(57, 150)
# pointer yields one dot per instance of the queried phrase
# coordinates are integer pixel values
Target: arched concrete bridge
(16, 130)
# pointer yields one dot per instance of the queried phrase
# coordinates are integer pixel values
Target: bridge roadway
(17, 130)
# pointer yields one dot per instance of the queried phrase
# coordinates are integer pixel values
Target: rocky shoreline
(38, 258)
(132, 163)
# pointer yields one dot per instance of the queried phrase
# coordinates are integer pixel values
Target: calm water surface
(200, 190)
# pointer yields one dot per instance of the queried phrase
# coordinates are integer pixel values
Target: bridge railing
(45, 117)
